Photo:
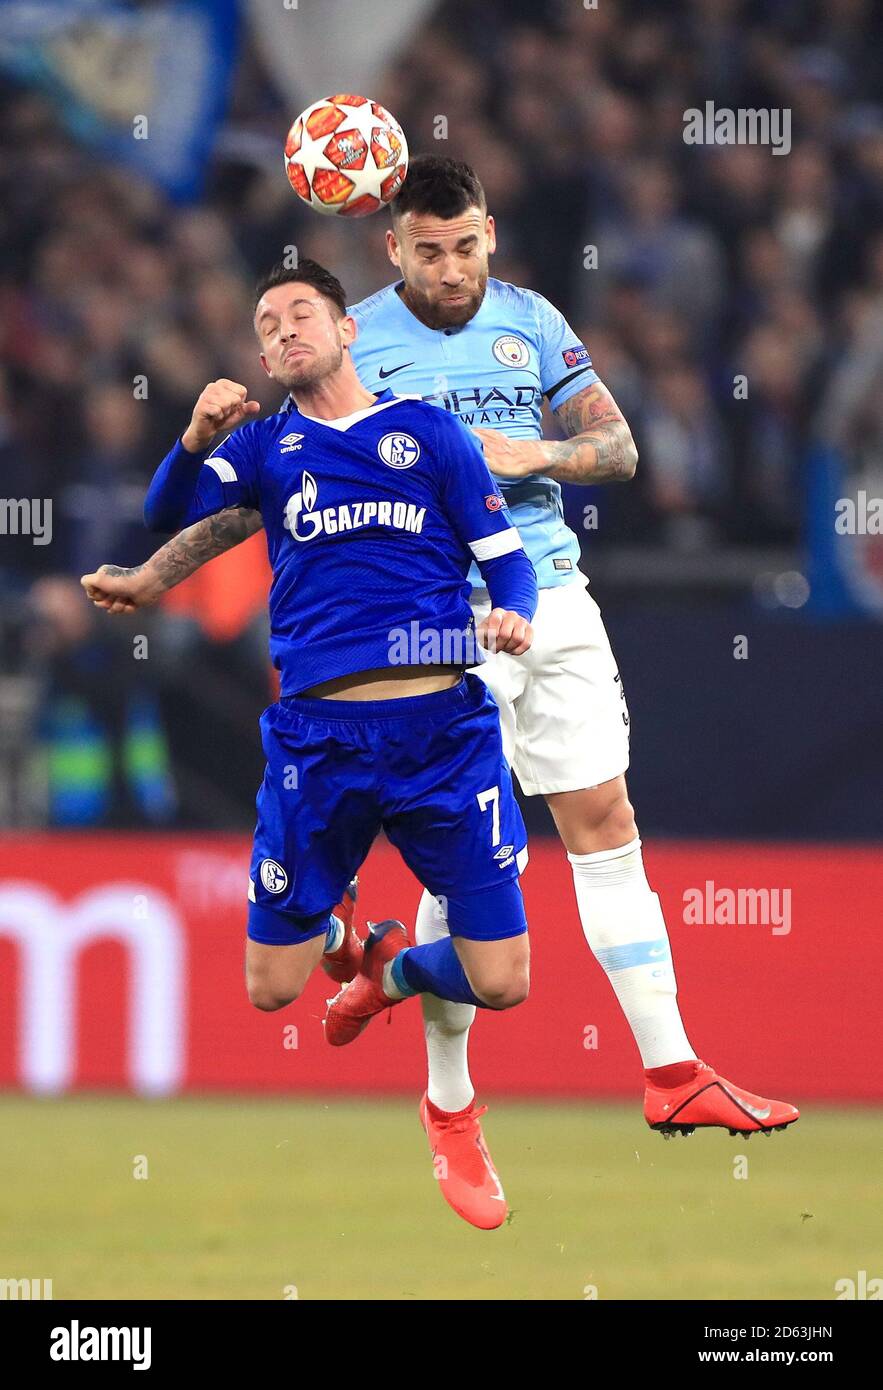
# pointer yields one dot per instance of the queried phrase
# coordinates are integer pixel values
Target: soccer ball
(346, 154)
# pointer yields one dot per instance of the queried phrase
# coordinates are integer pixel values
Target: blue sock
(433, 969)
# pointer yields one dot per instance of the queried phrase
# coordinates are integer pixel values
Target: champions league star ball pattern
(347, 155)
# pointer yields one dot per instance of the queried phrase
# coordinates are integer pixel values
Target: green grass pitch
(253, 1199)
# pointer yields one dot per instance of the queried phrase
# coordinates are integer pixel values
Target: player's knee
(616, 821)
(264, 995)
(622, 827)
(505, 991)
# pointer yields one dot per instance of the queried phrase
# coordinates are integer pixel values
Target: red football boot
(344, 963)
(709, 1101)
(349, 1012)
(462, 1164)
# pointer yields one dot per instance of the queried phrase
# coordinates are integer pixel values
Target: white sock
(388, 984)
(623, 923)
(337, 940)
(445, 1024)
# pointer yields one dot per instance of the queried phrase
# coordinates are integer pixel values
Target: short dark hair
(440, 186)
(306, 272)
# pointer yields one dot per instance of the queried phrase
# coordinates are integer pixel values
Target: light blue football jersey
(493, 373)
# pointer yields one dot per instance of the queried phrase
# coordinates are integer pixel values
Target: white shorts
(562, 707)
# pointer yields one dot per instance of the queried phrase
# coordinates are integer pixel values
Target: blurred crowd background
(118, 303)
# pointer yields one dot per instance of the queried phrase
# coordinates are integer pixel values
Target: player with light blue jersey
(488, 353)
(491, 378)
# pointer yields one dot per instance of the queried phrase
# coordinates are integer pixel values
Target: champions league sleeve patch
(573, 356)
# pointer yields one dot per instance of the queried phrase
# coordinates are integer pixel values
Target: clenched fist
(503, 631)
(118, 590)
(222, 406)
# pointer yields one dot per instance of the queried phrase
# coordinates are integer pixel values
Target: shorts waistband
(435, 702)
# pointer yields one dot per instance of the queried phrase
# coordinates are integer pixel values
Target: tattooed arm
(599, 447)
(124, 590)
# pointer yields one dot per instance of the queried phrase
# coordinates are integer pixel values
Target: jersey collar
(343, 422)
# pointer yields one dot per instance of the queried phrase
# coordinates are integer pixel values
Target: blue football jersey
(491, 373)
(372, 522)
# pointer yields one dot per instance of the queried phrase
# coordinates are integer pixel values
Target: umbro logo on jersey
(392, 370)
(289, 442)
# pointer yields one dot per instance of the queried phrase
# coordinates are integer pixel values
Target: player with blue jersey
(374, 507)
(489, 353)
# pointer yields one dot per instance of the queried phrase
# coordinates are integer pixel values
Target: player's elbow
(157, 517)
(630, 459)
(162, 511)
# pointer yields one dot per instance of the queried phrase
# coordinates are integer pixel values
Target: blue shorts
(427, 769)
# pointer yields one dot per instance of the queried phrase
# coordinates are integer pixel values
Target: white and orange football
(347, 155)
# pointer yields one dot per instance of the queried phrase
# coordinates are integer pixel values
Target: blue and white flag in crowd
(144, 84)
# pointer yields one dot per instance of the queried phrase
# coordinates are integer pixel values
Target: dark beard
(310, 374)
(435, 315)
